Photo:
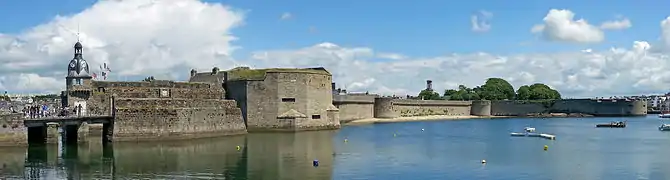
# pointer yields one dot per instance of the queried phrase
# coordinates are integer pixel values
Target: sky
(581, 48)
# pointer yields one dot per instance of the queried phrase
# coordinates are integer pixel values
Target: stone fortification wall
(285, 100)
(383, 108)
(166, 110)
(149, 103)
(14, 133)
(12, 130)
(354, 107)
(585, 106)
(159, 89)
(481, 108)
(145, 119)
(410, 107)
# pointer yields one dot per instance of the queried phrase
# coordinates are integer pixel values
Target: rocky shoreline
(556, 115)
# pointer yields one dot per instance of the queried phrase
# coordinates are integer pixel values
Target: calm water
(444, 150)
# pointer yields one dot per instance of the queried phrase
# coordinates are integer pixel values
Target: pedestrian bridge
(37, 127)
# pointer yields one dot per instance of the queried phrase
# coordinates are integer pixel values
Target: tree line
(494, 89)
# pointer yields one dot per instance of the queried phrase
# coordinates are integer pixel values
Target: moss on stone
(259, 74)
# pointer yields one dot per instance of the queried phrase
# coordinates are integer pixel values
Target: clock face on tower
(83, 64)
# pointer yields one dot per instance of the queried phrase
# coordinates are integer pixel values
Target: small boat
(618, 124)
(529, 129)
(664, 114)
(664, 127)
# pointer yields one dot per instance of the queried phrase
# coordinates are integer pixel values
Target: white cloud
(616, 24)
(583, 74)
(560, 25)
(480, 21)
(665, 32)
(138, 37)
(392, 56)
(286, 16)
(167, 38)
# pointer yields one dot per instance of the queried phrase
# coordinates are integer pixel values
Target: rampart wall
(12, 130)
(353, 107)
(410, 107)
(166, 110)
(594, 107)
(159, 89)
(147, 119)
(14, 133)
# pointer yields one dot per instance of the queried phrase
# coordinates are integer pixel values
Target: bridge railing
(63, 117)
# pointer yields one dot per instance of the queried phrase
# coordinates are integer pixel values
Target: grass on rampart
(259, 74)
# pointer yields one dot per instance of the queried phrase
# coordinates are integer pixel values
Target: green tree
(46, 97)
(449, 92)
(523, 93)
(149, 79)
(429, 95)
(541, 91)
(4, 98)
(463, 93)
(496, 89)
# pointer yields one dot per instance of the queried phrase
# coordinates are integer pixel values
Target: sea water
(452, 149)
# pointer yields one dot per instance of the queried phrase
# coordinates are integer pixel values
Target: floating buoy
(315, 163)
(546, 147)
(483, 161)
(237, 147)
(422, 129)
(346, 140)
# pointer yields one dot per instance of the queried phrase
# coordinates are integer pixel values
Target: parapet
(152, 84)
(247, 74)
(416, 102)
(354, 99)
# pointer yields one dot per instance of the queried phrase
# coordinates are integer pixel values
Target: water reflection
(260, 156)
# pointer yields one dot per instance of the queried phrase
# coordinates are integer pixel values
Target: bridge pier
(37, 134)
(107, 132)
(70, 134)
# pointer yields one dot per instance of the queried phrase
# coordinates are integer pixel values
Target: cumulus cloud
(617, 71)
(168, 38)
(480, 21)
(560, 25)
(665, 32)
(616, 24)
(136, 37)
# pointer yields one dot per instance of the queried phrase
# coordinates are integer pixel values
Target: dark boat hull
(610, 126)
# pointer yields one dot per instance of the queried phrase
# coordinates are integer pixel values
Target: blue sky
(353, 39)
(417, 28)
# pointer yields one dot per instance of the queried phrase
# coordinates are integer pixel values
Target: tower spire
(78, 37)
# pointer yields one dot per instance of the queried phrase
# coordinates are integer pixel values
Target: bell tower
(78, 80)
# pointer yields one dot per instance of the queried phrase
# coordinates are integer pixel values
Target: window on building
(316, 116)
(78, 82)
(287, 99)
(101, 89)
(287, 118)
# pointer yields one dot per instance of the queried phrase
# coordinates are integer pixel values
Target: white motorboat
(529, 129)
(664, 115)
(664, 127)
